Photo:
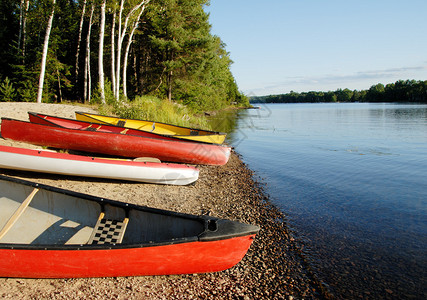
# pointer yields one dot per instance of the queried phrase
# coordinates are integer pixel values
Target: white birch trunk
(113, 55)
(59, 85)
(120, 38)
(79, 40)
(101, 52)
(119, 48)
(44, 55)
(125, 62)
(135, 75)
(21, 20)
(87, 81)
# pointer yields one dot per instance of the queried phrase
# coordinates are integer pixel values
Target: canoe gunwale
(211, 132)
(208, 235)
(168, 137)
(82, 247)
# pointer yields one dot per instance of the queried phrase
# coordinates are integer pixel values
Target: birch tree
(113, 53)
(120, 38)
(21, 18)
(79, 40)
(23, 10)
(116, 75)
(44, 54)
(125, 60)
(101, 52)
(87, 76)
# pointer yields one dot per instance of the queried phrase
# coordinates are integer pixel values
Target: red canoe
(111, 140)
(46, 232)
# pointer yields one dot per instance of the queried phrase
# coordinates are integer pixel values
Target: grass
(155, 109)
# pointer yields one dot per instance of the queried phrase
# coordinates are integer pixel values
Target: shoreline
(273, 267)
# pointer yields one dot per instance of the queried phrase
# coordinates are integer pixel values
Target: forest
(103, 51)
(400, 91)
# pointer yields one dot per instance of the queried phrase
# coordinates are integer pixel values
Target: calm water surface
(352, 179)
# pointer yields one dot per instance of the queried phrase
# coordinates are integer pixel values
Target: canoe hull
(77, 165)
(47, 232)
(157, 127)
(115, 144)
(185, 258)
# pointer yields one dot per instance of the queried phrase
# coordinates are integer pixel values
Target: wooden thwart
(17, 213)
(108, 231)
(90, 128)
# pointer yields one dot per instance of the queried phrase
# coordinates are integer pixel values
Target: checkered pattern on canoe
(121, 123)
(108, 232)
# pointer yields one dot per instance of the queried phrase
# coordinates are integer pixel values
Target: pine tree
(195, 63)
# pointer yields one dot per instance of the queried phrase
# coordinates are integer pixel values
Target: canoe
(163, 147)
(46, 232)
(156, 127)
(79, 165)
(70, 134)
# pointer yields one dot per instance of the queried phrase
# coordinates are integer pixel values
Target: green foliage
(108, 92)
(400, 91)
(173, 54)
(27, 92)
(7, 91)
(344, 95)
(9, 25)
(152, 108)
(375, 93)
(195, 68)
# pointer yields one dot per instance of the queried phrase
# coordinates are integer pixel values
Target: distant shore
(273, 267)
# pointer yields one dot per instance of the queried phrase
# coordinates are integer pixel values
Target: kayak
(78, 165)
(47, 232)
(180, 132)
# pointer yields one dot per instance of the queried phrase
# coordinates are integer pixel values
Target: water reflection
(239, 123)
(224, 121)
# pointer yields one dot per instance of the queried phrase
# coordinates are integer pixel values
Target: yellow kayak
(198, 135)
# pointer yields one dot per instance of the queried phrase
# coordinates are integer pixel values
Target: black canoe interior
(54, 218)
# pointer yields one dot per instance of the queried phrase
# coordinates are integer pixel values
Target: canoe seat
(194, 132)
(108, 231)
(121, 123)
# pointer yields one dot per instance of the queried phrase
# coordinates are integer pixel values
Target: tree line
(400, 91)
(106, 50)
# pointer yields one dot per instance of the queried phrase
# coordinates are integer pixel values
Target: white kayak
(86, 166)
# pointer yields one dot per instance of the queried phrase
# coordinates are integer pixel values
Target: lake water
(352, 181)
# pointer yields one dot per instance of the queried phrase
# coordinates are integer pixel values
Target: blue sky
(313, 45)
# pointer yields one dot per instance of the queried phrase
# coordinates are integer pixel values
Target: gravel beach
(273, 268)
